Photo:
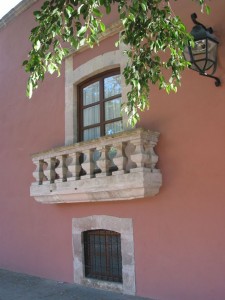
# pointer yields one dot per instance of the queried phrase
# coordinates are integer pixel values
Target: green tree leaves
(155, 38)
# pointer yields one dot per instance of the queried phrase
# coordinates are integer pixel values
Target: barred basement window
(102, 255)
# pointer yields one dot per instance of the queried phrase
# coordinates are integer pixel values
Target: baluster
(49, 172)
(120, 160)
(88, 164)
(44, 166)
(139, 157)
(61, 168)
(74, 166)
(104, 162)
(129, 148)
(38, 173)
(152, 156)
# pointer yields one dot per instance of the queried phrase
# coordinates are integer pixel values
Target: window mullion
(102, 111)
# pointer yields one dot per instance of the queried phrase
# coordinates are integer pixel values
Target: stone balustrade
(114, 167)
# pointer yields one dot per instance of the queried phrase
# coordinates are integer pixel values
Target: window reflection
(113, 127)
(112, 86)
(91, 115)
(92, 133)
(91, 93)
(112, 109)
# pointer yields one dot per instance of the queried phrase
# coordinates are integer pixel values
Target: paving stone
(18, 286)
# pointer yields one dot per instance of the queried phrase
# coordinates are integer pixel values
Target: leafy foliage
(155, 36)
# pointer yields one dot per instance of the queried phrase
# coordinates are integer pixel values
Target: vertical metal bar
(111, 255)
(95, 241)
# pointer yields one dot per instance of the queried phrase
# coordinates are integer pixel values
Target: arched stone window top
(73, 77)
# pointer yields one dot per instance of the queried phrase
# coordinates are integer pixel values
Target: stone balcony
(114, 167)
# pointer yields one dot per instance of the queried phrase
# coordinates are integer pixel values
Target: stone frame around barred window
(124, 226)
(106, 61)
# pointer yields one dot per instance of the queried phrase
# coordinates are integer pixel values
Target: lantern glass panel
(199, 53)
(200, 47)
(212, 56)
(202, 56)
(187, 55)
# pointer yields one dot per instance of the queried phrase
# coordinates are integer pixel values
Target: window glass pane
(91, 133)
(114, 127)
(112, 86)
(113, 109)
(91, 93)
(91, 115)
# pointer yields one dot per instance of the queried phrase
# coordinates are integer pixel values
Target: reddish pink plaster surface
(179, 234)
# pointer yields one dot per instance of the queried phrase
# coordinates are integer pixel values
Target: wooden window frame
(98, 78)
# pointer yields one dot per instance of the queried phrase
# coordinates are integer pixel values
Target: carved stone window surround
(73, 77)
(124, 226)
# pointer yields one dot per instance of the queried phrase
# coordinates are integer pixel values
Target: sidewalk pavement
(17, 286)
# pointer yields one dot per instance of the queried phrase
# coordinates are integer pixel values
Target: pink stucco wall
(179, 234)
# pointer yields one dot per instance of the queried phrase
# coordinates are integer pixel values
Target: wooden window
(100, 106)
(102, 255)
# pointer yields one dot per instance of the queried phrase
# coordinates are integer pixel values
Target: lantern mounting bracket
(217, 80)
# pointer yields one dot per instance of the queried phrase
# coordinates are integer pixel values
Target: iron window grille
(102, 255)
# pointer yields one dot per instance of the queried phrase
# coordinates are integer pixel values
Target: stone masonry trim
(124, 226)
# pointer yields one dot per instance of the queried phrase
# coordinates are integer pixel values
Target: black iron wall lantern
(203, 56)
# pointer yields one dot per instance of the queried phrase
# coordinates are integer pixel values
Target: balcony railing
(114, 167)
